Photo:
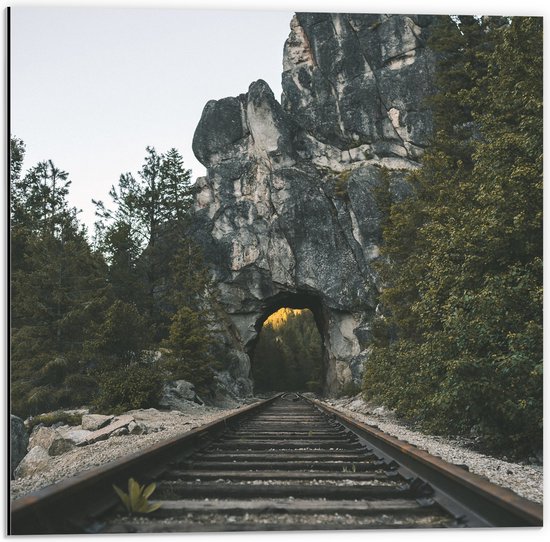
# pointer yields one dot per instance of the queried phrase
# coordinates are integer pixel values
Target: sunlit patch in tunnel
(288, 355)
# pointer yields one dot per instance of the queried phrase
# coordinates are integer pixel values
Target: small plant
(136, 500)
(51, 418)
(341, 185)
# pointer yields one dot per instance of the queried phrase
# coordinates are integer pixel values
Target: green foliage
(129, 387)
(51, 418)
(288, 355)
(122, 334)
(190, 345)
(136, 500)
(459, 345)
(83, 317)
(141, 235)
(350, 389)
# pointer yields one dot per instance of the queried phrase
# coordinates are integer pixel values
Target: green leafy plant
(136, 500)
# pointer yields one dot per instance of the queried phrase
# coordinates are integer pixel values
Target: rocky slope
(287, 214)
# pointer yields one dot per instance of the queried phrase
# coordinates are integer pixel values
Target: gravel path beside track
(525, 480)
(162, 426)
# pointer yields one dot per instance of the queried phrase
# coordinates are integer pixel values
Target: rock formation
(287, 214)
(19, 439)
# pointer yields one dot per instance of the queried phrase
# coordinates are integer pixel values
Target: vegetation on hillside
(86, 316)
(458, 347)
(288, 355)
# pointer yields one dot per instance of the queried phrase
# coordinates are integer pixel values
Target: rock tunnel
(287, 214)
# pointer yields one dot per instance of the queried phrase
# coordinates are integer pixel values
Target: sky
(92, 87)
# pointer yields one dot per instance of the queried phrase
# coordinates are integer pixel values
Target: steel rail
(68, 506)
(456, 489)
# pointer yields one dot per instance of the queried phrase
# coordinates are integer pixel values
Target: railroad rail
(286, 463)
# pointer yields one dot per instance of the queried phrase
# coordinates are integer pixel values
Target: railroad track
(287, 463)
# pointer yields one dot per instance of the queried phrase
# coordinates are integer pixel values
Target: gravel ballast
(162, 425)
(525, 480)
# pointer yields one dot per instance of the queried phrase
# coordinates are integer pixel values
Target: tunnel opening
(288, 353)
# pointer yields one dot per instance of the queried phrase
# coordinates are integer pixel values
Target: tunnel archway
(304, 301)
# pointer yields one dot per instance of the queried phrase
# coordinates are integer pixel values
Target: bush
(129, 387)
(350, 389)
(52, 418)
(81, 388)
(197, 371)
(123, 334)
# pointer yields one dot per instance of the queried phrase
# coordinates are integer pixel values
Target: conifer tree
(142, 232)
(462, 325)
(57, 287)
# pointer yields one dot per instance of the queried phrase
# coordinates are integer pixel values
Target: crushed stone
(525, 480)
(161, 425)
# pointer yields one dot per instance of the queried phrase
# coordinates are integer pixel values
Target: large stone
(93, 422)
(42, 436)
(19, 439)
(34, 462)
(105, 432)
(58, 440)
(287, 214)
(178, 394)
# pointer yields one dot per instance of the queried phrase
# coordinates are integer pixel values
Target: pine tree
(462, 326)
(288, 354)
(142, 233)
(57, 288)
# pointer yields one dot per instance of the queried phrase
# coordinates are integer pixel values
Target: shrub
(82, 388)
(52, 418)
(129, 387)
(350, 389)
(341, 185)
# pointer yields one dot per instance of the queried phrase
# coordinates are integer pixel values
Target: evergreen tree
(57, 287)
(459, 346)
(143, 231)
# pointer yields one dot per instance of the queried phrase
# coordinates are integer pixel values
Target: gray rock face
(287, 214)
(177, 395)
(19, 439)
(34, 462)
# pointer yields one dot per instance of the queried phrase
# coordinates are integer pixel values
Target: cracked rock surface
(287, 213)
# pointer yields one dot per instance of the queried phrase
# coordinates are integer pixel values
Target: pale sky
(92, 87)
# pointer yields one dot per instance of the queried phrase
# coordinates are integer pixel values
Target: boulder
(105, 432)
(74, 434)
(137, 428)
(34, 462)
(93, 422)
(57, 441)
(42, 436)
(19, 440)
(179, 395)
(120, 432)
